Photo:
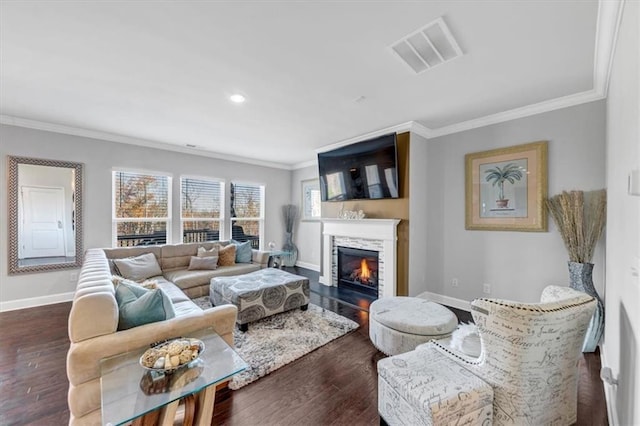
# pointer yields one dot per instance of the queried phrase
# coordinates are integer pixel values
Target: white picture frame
(310, 200)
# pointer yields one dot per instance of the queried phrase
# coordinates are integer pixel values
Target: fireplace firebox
(358, 270)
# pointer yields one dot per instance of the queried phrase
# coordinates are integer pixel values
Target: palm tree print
(511, 172)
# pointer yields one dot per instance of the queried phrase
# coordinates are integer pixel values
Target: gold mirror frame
(13, 216)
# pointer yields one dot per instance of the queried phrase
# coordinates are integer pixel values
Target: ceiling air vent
(427, 47)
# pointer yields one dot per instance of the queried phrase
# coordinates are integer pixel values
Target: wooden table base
(197, 409)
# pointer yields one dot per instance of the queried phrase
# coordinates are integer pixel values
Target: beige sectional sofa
(174, 261)
(93, 320)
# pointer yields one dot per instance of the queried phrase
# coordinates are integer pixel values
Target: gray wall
(307, 236)
(621, 348)
(517, 265)
(99, 158)
(425, 224)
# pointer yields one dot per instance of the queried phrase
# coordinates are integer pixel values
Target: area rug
(280, 339)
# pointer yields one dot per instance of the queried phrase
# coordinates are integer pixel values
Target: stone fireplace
(378, 239)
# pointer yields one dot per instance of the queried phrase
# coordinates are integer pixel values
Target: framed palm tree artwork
(505, 188)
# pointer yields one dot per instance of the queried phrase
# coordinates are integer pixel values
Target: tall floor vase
(580, 275)
(288, 246)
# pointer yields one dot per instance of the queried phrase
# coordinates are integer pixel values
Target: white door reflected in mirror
(45, 214)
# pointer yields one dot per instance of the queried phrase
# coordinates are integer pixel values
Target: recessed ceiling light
(237, 98)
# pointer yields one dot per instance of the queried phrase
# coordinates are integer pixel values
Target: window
(247, 213)
(141, 209)
(202, 203)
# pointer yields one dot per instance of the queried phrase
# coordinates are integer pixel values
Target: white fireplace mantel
(382, 230)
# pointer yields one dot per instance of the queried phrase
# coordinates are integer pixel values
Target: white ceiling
(162, 71)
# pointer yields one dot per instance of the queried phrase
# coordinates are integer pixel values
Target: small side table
(275, 258)
(129, 391)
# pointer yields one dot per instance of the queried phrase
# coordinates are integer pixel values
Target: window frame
(221, 220)
(116, 220)
(260, 220)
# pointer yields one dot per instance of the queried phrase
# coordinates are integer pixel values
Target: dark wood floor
(334, 385)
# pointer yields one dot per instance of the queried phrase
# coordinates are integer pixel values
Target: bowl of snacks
(172, 354)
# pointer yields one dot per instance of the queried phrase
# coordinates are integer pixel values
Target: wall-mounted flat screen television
(360, 171)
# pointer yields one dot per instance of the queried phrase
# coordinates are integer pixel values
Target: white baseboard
(308, 266)
(612, 414)
(32, 302)
(446, 300)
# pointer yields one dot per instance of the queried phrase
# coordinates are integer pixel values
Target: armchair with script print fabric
(530, 354)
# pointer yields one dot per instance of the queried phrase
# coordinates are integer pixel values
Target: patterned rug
(280, 339)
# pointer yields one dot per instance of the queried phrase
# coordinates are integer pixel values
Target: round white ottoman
(399, 324)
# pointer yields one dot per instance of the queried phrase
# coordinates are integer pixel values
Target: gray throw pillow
(243, 251)
(138, 268)
(210, 262)
(139, 306)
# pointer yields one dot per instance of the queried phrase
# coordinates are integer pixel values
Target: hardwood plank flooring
(333, 385)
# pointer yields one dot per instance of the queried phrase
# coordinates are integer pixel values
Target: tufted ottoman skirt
(260, 294)
(399, 324)
(424, 387)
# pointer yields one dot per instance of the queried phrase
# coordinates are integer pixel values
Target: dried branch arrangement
(580, 218)
(289, 213)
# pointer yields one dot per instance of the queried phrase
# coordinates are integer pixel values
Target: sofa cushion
(203, 263)
(243, 251)
(178, 256)
(227, 255)
(138, 268)
(185, 278)
(139, 306)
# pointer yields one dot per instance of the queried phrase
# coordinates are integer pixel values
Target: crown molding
(608, 23)
(304, 164)
(404, 127)
(421, 130)
(112, 137)
(526, 111)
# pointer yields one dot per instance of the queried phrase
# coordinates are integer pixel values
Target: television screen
(360, 171)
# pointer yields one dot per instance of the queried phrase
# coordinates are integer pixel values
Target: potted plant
(580, 220)
(511, 172)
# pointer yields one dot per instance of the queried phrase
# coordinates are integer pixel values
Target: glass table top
(279, 253)
(129, 390)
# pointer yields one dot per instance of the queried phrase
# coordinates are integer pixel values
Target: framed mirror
(45, 215)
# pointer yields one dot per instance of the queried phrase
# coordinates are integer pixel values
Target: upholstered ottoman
(260, 294)
(424, 387)
(399, 324)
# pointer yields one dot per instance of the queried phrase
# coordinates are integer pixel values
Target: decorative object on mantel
(580, 224)
(350, 214)
(289, 213)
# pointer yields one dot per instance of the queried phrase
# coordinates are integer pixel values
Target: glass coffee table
(129, 391)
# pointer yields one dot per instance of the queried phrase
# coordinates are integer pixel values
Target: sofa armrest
(83, 358)
(260, 257)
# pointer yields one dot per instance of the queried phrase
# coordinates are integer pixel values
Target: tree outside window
(202, 204)
(141, 209)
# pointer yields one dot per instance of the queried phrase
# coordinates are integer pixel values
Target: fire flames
(365, 272)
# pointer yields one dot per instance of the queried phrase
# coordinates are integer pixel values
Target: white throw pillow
(203, 252)
(466, 339)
